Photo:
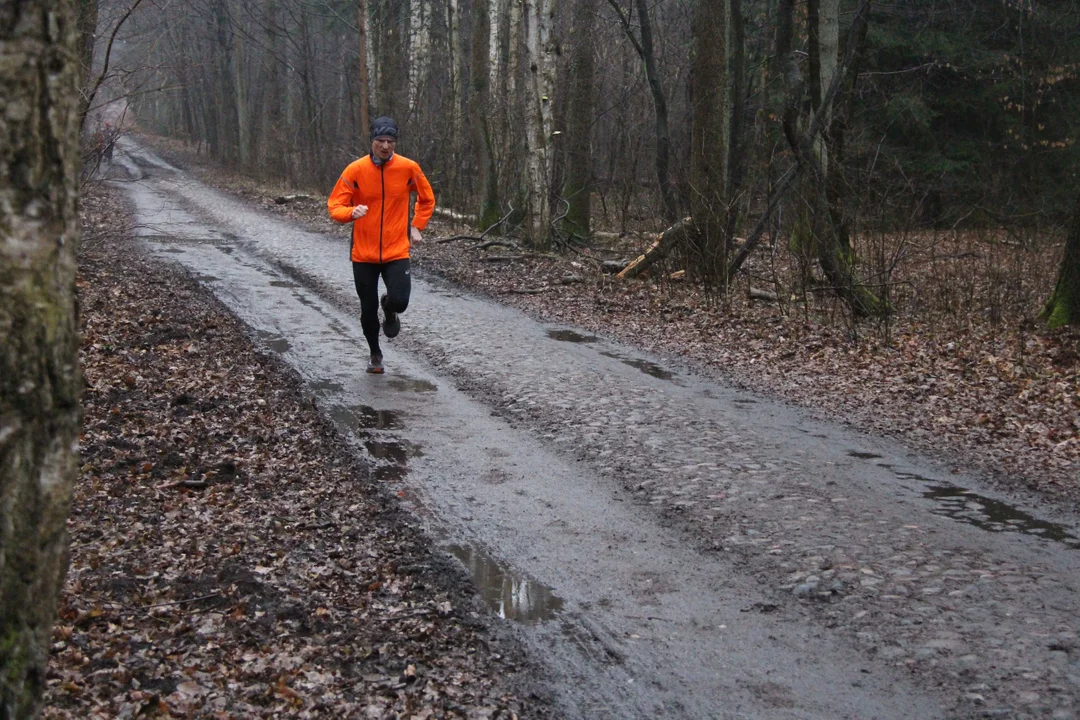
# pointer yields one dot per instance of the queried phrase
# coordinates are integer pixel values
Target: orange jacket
(383, 234)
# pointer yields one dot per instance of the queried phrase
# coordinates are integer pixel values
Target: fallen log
(455, 216)
(285, 199)
(667, 240)
(758, 294)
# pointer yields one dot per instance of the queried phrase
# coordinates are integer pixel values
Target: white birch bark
(419, 48)
(539, 120)
(495, 14)
(456, 63)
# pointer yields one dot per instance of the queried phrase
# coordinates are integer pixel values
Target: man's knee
(397, 301)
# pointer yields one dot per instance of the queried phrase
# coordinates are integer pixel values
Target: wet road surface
(668, 546)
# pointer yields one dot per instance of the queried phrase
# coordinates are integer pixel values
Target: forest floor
(981, 384)
(208, 504)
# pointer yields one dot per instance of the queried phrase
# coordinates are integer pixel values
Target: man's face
(383, 146)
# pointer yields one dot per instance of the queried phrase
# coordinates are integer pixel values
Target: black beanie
(383, 126)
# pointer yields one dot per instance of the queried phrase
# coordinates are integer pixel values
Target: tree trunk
(362, 21)
(538, 118)
(39, 374)
(579, 163)
(419, 50)
(480, 115)
(710, 118)
(1063, 307)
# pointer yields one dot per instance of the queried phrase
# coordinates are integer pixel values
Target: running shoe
(391, 324)
(375, 365)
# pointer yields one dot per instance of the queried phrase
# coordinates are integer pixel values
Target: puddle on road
(405, 384)
(571, 336)
(512, 596)
(397, 453)
(274, 341)
(988, 514)
(744, 401)
(323, 388)
(284, 284)
(227, 249)
(174, 251)
(202, 277)
(358, 418)
(649, 368)
(863, 455)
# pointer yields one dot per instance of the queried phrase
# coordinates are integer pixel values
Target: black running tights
(395, 275)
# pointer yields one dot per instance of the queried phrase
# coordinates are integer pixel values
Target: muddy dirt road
(668, 546)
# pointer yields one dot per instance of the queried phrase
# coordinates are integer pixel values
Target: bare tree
(480, 113)
(40, 380)
(539, 58)
(579, 160)
(644, 48)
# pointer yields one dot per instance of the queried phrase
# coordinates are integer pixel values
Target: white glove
(414, 234)
(359, 211)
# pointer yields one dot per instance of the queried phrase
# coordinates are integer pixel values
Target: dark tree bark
(39, 372)
(1063, 307)
(480, 112)
(579, 165)
(710, 118)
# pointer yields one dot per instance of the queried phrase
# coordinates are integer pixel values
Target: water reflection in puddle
(274, 341)
(404, 384)
(570, 336)
(357, 418)
(863, 455)
(988, 514)
(649, 368)
(283, 284)
(202, 277)
(174, 251)
(397, 453)
(512, 596)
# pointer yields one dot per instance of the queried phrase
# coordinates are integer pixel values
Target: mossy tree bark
(40, 67)
(1063, 307)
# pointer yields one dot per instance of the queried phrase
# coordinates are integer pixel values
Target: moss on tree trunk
(39, 376)
(1063, 307)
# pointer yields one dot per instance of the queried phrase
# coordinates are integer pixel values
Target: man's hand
(358, 212)
(414, 234)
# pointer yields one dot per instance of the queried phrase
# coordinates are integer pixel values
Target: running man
(373, 194)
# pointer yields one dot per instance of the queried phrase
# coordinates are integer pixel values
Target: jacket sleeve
(425, 200)
(340, 203)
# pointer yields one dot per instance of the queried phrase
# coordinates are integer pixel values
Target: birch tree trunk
(538, 118)
(40, 381)
(419, 49)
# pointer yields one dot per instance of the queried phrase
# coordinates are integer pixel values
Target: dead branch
(667, 240)
(525, 291)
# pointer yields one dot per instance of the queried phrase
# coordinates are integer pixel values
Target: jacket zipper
(382, 207)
